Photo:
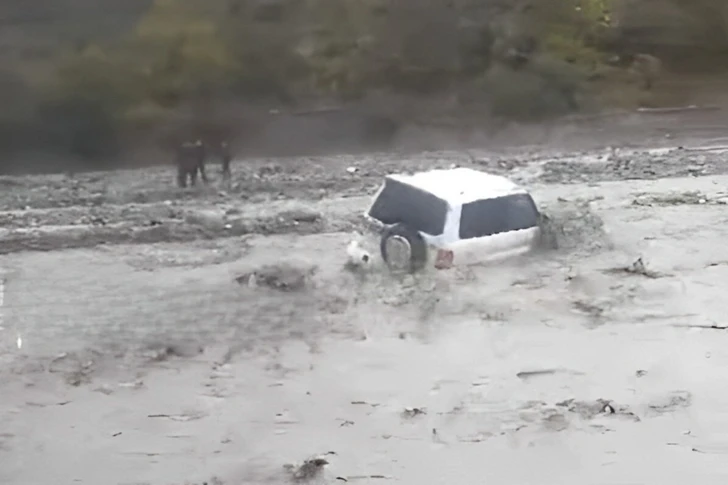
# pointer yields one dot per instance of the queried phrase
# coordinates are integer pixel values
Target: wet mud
(215, 336)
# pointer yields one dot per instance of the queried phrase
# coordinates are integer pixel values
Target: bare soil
(151, 335)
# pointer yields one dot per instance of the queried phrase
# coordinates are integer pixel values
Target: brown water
(333, 368)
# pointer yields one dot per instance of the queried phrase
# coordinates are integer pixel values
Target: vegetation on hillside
(180, 59)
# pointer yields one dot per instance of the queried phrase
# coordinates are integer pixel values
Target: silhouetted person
(648, 68)
(225, 159)
(190, 161)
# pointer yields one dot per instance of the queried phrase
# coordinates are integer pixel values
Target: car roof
(460, 185)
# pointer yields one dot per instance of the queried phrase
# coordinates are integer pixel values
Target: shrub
(18, 105)
(179, 53)
(79, 111)
(543, 88)
(79, 127)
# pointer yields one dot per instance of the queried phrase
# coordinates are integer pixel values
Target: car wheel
(403, 249)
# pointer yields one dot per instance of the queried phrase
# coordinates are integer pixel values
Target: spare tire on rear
(416, 257)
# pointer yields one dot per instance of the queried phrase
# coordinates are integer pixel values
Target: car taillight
(444, 259)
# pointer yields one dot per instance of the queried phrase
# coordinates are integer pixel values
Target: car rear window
(502, 214)
(403, 203)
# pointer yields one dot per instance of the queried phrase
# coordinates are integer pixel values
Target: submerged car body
(462, 216)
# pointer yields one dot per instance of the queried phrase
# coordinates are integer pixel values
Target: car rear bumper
(483, 250)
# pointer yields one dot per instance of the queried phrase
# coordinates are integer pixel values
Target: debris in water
(75, 379)
(714, 450)
(179, 417)
(372, 404)
(104, 389)
(412, 412)
(358, 258)
(76, 369)
(138, 384)
(712, 326)
(42, 405)
(671, 402)
(554, 421)
(300, 215)
(592, 310)
(309, 469)
(679, 198)
(572, 227)
(638, 267)
(436, 438)
(365, 477)
(157, 352)
(598, 407)
(534, 373)
(544, 372)
(252, 281)
(283, 277)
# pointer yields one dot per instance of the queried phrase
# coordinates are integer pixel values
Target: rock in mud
(599, 407)
(282, 277)
(309, 469)
(670, 402)
(299, 222)
(300, 215)
(631, 166)
(526, 375)
(75, 367)
(160, 352)
(413, 412)
(211, 220)
(573, 226)
(554, 421)
(676, 198)
(638, 267)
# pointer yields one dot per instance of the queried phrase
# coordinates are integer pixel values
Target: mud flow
(214, 335)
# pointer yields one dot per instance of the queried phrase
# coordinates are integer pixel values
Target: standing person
(648, 68)
(190, 160)
(201, 151)
(225, 158)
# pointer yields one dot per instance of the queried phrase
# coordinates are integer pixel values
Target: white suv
(456, 216)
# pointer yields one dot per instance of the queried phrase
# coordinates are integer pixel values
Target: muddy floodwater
(165, 337)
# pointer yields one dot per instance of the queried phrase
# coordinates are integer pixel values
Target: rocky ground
(137, 349)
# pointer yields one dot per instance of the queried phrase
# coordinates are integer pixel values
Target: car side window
(521, 212)
(403, 203)
(481, 218)
(502, 214)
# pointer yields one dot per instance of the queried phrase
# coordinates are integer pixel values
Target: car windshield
(502, 214)
(402, 203)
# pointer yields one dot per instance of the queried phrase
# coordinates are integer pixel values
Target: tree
(338, 44)
(406, 45)
(94, 75)
(570, 29)
(419, 43)
(180, 53)
(264, 40)
(81, 107)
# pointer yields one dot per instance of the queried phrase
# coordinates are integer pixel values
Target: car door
(497, 228)
(479, 230)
